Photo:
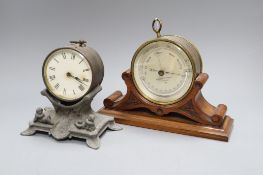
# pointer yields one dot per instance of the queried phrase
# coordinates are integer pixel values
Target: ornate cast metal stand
(77, 120)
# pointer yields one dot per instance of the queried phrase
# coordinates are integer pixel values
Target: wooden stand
(193, 115)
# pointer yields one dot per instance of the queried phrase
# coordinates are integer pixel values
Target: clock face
(162, 72)
(67, 74)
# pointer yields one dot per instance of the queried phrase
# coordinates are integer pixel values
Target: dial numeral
(74, 92)
(81, 61)
(52, 77)
(73, 56)
(142, 78)
(52, 68)
(188, 70)
(56, 86)
(56, 60)
(85, 79)
(81, 87)
(64, 55)
(149, 58)
(171, 54)
(85, 70)
(64, 91)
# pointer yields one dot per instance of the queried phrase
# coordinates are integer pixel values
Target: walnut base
(193, 115)
(174, 123)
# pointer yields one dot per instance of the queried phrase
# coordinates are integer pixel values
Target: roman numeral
(86, 70)
(64, 91)
(74, 92)
(52, 77)
(64, 55)
(85, 79)
(81, 61)
(81, 87)
(56, 86)
(52, 68)
(73, 56)
(56, 60)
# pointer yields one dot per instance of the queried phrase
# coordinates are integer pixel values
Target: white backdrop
(228, 35)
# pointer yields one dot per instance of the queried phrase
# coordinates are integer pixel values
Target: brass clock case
(187, 47)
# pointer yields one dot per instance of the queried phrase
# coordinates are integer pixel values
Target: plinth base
(171, 123)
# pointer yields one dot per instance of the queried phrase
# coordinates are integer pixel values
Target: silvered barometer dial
(164, 68)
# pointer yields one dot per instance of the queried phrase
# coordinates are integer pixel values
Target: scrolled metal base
(78, 121)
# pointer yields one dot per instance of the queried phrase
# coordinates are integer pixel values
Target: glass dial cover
(162, 72)
(67, 74)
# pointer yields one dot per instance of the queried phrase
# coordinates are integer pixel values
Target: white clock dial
(67, 74)
(162, 72)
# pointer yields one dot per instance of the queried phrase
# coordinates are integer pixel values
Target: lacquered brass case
(190, 50)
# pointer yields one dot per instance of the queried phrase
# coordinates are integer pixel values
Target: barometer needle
(172, 73)
(166, 72)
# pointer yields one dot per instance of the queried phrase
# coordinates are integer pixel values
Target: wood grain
(171, 123)
(193, 115)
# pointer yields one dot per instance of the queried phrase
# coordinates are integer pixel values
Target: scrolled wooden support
(109, 102)
(193, 106)
(206, 120)
(201, 80)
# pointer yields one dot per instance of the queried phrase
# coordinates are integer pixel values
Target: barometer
(72, 76)
(164, 90)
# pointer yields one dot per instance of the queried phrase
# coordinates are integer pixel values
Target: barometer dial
(162, 72)
(163, 69)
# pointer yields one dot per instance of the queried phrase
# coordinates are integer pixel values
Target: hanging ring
(157, 27)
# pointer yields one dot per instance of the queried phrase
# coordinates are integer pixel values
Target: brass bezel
(201, 61)
(180, 46)
(45, 78)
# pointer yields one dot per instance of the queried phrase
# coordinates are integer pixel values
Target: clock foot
(115, 127)
(93, 142)
(28, 132)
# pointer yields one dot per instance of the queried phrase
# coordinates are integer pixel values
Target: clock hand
(79, 80)
(76, 78)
